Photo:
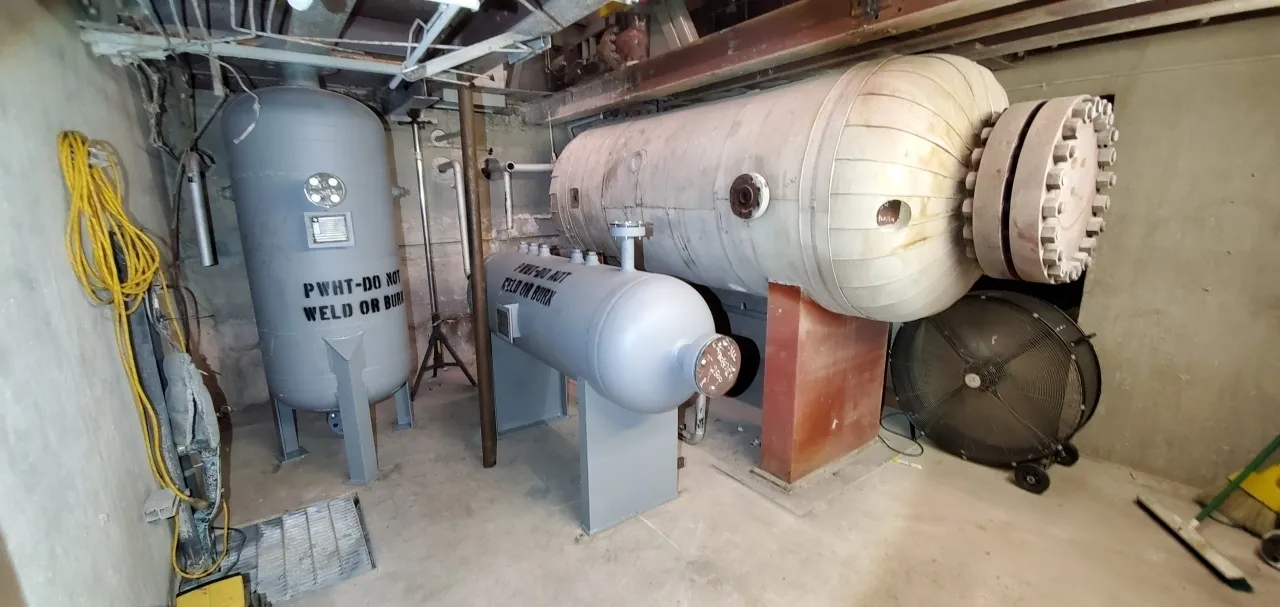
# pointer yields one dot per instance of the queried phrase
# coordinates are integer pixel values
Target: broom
(1185, 531)
(1254, 507)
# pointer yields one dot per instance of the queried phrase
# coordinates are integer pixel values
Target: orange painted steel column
(823, 384)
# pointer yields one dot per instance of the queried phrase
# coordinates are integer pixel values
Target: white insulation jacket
(864, 171)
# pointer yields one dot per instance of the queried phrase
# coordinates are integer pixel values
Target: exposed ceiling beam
(1120, 20)
(794, 32)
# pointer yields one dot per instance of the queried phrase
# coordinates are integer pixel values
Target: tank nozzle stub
(712, 362)
(626, 233)
(524, 247)
(575, 256)
(592, 259)
(544, 250)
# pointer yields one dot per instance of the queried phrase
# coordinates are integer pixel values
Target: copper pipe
(480, 310)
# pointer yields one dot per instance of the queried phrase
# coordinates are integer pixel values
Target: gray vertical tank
(312, 188)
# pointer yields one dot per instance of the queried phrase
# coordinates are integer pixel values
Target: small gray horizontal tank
(644, 341)
(312, 188)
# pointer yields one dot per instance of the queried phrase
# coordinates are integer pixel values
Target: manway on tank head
(1038, 189)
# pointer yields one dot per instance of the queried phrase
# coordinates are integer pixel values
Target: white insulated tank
(848, 185)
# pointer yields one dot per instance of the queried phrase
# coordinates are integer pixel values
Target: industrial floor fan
(1001, 379)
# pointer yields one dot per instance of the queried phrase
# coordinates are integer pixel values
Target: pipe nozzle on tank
(626, 233)
(712, 362)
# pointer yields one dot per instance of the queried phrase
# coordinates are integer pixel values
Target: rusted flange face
(749, 195)
(1039, 189)
(716, 369)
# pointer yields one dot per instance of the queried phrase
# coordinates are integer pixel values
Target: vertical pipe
(426, 229)
(480, 312)
(200, 211)
(507, 203)
(463, 232)
(627, 253)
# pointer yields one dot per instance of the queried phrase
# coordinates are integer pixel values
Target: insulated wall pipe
(463, 231)
(509, 200)
(479, 293)
(513, 167)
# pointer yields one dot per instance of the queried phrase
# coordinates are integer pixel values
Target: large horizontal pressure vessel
(863, 172)
(312, 188)
(644, 341)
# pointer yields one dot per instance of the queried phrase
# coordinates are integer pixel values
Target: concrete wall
(1185, 295)
(74, 471)
(228, 335)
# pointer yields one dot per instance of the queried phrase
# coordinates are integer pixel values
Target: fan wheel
(1067, 455)
(1031, 477)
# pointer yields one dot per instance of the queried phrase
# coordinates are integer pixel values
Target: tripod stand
(433, 359)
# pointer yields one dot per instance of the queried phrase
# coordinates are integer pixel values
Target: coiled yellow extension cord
(97, 221)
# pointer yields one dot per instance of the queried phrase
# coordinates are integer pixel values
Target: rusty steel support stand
(823, 384)
(480, 311)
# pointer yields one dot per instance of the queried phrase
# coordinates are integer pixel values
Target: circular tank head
(715, 369)
(1038, 189)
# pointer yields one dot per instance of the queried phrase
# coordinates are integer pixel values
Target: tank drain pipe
(479, 294)
(463, 229)
(695, 436)
(626, 233)
(200, 210)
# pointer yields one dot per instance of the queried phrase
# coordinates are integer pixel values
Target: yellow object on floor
(1264, 486)
(227, 592)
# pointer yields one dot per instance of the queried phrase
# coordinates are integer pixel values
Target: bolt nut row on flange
(1037, 188)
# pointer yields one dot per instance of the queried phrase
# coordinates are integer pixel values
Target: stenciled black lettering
(307, 288)
(350, 285)
(310, 313)
(364, 307)
(346, 310)
(323, 288)
(324, 312)
(337, 288)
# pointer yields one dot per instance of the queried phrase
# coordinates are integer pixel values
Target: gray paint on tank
(630, 334)
(302, 295)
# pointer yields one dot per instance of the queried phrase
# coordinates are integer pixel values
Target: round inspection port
(749, 195)
(893, 214)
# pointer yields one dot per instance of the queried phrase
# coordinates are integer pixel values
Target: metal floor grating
(302, 550)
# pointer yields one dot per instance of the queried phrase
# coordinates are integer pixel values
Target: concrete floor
(444, 531)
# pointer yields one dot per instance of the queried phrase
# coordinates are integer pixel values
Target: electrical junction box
(508, 326)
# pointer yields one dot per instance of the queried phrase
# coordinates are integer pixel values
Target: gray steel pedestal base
(627, 460)
(346, 359)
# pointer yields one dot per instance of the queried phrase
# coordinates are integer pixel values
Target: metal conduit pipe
(200, 210)
(463, 230)
(479, 292)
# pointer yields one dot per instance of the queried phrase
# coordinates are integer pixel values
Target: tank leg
(287, 430)
(526, 392)
(346, 359)
(627, 460)
(404, 408)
